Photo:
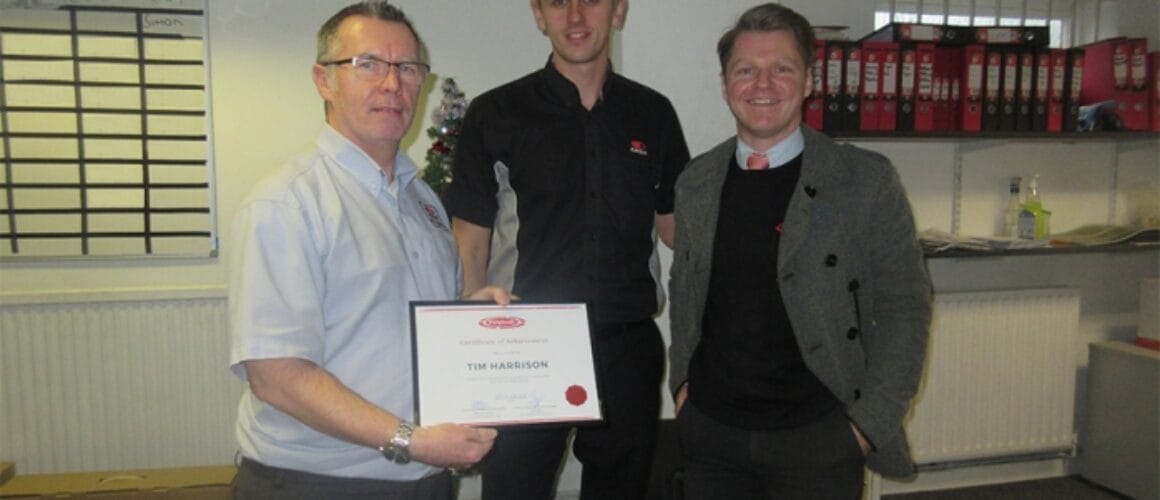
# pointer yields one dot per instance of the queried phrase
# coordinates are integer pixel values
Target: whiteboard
(105, 130)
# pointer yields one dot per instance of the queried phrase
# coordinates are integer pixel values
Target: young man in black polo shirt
(560, 180)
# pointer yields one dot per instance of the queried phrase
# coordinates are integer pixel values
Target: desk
(1120, 445)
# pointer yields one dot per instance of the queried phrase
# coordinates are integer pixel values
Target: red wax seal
(576, 395)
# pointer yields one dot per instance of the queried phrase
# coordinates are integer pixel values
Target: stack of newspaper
(1107, 234)
(934, 241)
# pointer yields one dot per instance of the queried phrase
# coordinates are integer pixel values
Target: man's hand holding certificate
(517, 364)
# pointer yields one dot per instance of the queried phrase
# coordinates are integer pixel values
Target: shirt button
(852, 333)
(831, 260)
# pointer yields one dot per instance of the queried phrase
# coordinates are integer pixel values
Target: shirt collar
(354, 160)
(566, 91)
(780, 154)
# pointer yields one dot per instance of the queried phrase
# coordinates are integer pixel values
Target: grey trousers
(257, 481)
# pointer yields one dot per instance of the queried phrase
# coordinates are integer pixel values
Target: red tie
(757, 161)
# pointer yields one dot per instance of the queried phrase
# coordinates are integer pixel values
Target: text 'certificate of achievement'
(515, 365)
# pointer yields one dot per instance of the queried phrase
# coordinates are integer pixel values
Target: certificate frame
(526, 364)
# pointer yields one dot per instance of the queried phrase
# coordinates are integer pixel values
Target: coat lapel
(707, 179)
(817, 158)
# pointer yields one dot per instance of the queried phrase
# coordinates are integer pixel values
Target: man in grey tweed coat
(800, 300)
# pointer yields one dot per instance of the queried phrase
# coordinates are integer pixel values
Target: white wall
(264, 109)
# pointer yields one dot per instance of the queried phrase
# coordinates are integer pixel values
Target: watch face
(397, 455)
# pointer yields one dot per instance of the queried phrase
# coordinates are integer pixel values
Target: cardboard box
(189, 483)
(7, 470)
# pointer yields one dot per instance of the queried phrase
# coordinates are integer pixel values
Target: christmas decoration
(444, 134)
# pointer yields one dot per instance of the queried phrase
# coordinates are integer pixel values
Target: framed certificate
(498, 366)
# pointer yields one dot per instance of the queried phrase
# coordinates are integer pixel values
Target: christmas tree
(444, 133)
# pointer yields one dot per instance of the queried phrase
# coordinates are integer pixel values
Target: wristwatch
(398, 450)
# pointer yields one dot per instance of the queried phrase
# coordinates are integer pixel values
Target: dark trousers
(617, 453)
(259, 482)
(817, 461)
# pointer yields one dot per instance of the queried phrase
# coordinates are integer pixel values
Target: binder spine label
(908, 74)
(834, 72)
(975, 77)
(870, 85)
(1120, 66)
(889, 76)
(921, 33)
(999, 35)
(1010, 76)
(926, 79)
(1139, 65)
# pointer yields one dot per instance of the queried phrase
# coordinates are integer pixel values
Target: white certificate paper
(515, 365)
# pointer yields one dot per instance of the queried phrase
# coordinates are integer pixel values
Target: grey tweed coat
(851, 273)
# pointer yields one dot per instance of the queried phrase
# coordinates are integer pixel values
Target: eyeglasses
(373, 69)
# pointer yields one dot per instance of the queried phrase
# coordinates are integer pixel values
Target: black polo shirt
(569, 193)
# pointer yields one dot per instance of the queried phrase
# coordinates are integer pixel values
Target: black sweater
(747, 371)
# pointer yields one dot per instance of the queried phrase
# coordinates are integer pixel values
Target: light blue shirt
(779, 155)
(325, 258)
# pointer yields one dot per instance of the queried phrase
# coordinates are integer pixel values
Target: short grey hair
(377, 9)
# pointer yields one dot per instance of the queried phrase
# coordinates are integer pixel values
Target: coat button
(852, 333)
(853, 286)
(857, 394)
(831, 260)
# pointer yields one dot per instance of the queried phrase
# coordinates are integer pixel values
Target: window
(1061, 16)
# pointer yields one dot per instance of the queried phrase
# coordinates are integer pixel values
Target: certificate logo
(502, 322)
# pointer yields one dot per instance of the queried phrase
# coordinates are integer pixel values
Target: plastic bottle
(1040, 220)
(1014, 206)
(1026, 224)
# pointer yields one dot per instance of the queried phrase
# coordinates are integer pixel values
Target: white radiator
(116, 385)
(1000, 377)
(144, 383)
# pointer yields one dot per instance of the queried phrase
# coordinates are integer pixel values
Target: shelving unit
(968, 142)
(1066, 137)
(1053, 250)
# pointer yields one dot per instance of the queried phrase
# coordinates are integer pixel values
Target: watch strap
(398, 449)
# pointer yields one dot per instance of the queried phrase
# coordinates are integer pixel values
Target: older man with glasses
(326, 254)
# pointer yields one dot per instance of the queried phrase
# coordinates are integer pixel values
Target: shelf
(997, 136)
(1053, 250)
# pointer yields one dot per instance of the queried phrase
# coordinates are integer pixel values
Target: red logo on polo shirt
(638, 147)
(433, 216)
